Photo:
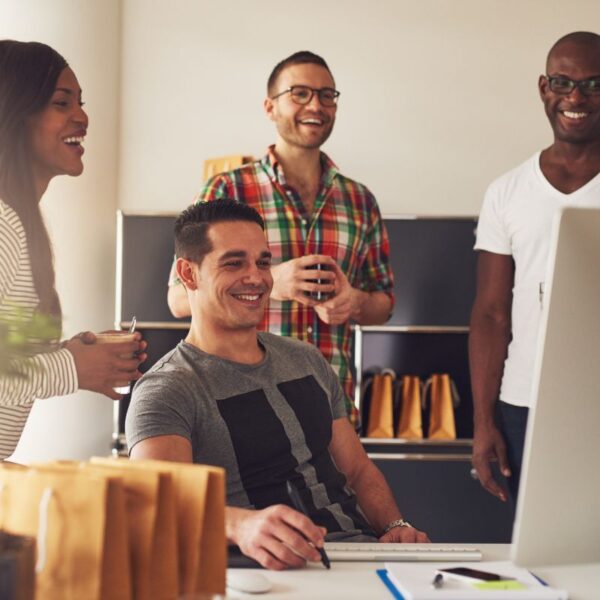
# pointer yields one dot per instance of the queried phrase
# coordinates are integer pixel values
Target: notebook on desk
(414, 582)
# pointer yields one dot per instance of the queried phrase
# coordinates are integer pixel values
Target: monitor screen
(558, 511)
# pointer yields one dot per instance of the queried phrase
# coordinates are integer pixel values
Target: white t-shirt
(516, 219)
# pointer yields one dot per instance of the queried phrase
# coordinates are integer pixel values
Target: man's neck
(240, 346)
(569, 167)
(302, 169)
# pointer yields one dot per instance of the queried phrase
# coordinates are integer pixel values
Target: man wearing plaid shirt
(314, 217)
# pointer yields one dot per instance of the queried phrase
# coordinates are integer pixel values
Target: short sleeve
(337, 398)
(161, 404)
(338, 402)
(376, 272)
(492, 235)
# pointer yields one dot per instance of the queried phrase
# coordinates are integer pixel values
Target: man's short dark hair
(192, 225)
(304, 57)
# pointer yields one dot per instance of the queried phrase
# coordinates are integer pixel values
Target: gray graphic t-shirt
(265, 424)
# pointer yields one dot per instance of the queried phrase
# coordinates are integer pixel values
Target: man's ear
(185, 272)
(269, 105)
(543, 86)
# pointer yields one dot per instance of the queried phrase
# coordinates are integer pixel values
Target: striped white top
(46, 375)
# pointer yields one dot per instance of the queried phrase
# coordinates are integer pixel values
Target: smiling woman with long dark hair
(42, 127)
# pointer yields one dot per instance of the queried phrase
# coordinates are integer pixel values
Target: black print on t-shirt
(264, 453)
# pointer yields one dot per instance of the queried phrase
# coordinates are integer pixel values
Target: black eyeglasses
(563, 85)
(302, 94)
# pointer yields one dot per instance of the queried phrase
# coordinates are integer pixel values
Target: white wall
(438, 97)
(80, 211)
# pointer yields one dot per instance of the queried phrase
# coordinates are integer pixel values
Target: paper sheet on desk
(413, 580)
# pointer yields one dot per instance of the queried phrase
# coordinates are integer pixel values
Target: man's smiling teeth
(74, 139)
(311, 122)
(250, 297)
(574, 115)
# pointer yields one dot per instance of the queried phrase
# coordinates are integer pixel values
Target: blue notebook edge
(383, 575)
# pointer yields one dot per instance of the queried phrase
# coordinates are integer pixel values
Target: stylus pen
(293, 493)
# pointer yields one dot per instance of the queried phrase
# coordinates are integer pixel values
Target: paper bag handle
(453, 392)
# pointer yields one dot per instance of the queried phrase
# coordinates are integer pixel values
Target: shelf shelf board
(413, 328)
(422, 442)
(409, 456)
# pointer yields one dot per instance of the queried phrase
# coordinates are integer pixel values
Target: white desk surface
(358, 581)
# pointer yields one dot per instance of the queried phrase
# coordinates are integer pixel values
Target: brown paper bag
(79, 521)
(200, 507)
(151, 524)
(381, 412)
(17, 567)
(410, 423)
(443, 398)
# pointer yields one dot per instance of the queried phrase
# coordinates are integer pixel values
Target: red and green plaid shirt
(345, 224)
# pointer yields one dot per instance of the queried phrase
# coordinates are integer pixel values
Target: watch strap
(396, 523)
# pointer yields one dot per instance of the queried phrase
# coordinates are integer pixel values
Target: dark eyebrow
(69, 91)
(232, 254)
(241, 254)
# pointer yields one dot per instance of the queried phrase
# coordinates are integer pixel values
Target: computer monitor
(558, 511)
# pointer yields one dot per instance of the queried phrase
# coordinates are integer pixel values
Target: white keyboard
(357, 552)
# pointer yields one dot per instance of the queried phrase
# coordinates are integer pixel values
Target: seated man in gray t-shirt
(266, 408)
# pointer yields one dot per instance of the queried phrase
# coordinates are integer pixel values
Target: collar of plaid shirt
(270, 164)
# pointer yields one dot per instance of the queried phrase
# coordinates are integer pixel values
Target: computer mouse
(248, 581)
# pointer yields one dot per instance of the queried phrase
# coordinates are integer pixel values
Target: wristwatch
(396, 523)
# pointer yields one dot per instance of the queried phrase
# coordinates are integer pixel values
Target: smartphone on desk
(471, 575)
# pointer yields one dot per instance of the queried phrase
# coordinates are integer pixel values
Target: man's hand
(488, 444)
(344, 304)
(291, 279)
(277, 537)
(404, 535)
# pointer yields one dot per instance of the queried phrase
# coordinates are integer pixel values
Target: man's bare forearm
(375, 497)
(371, 308)
(490, 332)
(488, 343)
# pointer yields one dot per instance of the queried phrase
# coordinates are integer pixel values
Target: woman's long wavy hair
(28, 75)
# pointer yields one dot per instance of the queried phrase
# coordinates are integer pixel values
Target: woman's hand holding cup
(107, 360)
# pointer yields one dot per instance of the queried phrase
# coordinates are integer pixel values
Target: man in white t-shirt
(513, 242)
